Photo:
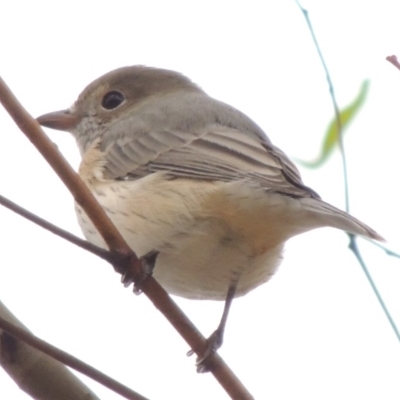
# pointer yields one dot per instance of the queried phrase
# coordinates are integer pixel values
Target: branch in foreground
(124, 258)
(39, 375)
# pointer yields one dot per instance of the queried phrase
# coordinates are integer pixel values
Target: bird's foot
(213, 343)
(148, 262)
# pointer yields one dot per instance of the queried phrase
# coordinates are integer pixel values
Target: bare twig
(334, 102)
(353, 244)
(382, 247)
(124, 258)
(83, 244)
(354, 248)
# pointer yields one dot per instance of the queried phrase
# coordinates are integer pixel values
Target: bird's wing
(198, 138)
(216, 153)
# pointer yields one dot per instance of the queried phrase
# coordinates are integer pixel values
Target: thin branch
(83, 244)
(335, 105)
(353, 244)
(69, 360)
(354, 248)
(125, 260)
(382, 247)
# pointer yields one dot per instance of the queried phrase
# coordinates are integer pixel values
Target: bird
(195, 187)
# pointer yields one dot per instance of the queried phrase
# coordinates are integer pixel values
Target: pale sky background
(315, 331)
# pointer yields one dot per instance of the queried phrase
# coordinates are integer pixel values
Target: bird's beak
(62, 120)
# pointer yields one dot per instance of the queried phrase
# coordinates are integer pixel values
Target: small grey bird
(195, 187)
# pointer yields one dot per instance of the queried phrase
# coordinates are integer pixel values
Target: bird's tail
(332, 216)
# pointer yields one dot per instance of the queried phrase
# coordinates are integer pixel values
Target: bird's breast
(208, 234)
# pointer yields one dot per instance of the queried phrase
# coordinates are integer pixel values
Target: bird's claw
(147, 263)
(213, 343)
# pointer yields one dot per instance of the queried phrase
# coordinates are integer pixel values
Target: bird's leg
(148, 262)
(214, 342)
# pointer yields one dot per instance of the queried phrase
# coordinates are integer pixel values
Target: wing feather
(209, 143)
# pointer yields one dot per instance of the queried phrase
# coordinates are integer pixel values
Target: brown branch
(125, 259)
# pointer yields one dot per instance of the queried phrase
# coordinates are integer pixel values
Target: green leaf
(331, 139)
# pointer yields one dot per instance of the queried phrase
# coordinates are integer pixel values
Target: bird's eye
(112, 100)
